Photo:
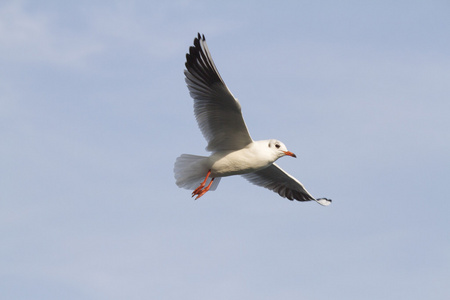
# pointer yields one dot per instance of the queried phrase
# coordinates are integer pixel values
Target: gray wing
(276, 179)
(217, 112)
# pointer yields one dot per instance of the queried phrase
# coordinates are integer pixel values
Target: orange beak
(290, 153)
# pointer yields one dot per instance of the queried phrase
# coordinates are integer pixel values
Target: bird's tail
(190, 171)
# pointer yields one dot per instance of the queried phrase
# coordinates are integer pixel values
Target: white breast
(247, 160)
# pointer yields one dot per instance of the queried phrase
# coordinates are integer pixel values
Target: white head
(279, 148)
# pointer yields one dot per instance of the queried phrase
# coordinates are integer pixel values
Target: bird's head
(279, 148)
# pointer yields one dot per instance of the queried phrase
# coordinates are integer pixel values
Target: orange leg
(202, 192)
(202, 185)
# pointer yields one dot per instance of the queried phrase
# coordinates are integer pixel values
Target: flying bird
(234, 152)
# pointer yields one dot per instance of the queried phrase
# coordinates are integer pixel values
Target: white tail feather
(190, 171)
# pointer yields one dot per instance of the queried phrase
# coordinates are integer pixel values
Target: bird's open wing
(217, 112)
(276, 179)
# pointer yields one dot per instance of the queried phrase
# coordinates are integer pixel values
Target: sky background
(94, 111)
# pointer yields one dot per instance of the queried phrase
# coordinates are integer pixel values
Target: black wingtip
(200, 64)
(324, 201)
(200, 37)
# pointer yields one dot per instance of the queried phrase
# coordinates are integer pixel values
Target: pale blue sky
(94, 110)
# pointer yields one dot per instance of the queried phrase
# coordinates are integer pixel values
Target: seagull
(234, 152)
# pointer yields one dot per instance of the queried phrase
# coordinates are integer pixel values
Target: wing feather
(276, 179)
(217, 111)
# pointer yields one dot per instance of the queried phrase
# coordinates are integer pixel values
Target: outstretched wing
(217, 112)
(276, 179)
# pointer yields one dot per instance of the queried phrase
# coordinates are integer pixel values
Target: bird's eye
(277, 145)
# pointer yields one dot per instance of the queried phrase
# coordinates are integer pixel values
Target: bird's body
(233, 150)
(250, 159)
(225, 163)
